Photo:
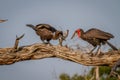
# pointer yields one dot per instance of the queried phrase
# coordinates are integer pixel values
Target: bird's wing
(96, 33)
(46, 26)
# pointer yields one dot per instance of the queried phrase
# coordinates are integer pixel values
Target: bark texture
(40, 51)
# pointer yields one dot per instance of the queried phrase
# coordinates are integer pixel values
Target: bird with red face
(95, 37)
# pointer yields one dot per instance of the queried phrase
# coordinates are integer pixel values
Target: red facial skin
(78, 32)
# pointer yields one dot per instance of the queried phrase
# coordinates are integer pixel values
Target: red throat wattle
(78, 32)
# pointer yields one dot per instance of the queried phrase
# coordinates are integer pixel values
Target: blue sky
(63, 15)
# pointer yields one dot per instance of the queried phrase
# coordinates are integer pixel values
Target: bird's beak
(73, 35)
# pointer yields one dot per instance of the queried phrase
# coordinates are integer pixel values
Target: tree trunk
(97, 77)
(97, 73)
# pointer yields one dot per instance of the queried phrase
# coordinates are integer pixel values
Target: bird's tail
(31, 26)
(112, 46)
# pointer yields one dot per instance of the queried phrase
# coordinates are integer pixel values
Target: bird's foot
(47, 43)
(60, 44)
(91, 54)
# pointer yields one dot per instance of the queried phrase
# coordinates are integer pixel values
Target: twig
(15, 48)
(3, 20)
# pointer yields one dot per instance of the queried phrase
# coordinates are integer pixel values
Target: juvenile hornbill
(95, 37)
(47, 32)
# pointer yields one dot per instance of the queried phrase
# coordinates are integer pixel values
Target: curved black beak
(73, 35)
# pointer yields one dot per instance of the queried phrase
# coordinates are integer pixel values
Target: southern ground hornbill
(95, 37)
(47, 32)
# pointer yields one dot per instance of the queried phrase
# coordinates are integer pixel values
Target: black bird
(46, 32)
(95, 37)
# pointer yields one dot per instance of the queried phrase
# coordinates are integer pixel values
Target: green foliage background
(103, 71)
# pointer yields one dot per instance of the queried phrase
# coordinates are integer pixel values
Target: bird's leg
(97, 75)
(48, 43)
(43, 42)
(60, 41)
(92, 50)
(98, 50)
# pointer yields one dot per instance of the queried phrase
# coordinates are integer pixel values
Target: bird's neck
(83, 36)
(81, 33)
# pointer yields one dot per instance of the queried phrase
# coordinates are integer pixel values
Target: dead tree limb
(117, 64)
(15, 48)
(114, 68)
(39, 51)
(3, 20)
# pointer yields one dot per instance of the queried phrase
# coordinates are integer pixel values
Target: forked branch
(15, 48)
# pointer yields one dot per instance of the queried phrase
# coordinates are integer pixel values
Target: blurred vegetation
(103, 71)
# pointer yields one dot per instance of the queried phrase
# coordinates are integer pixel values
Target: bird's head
(78, 32)
(58, 34)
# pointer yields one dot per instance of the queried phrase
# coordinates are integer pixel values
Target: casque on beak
(73, 35)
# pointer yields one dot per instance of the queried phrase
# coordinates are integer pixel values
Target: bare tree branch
(15, 48)
(39, 51)
(117, 64)
(114, 68)
(3, 20)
